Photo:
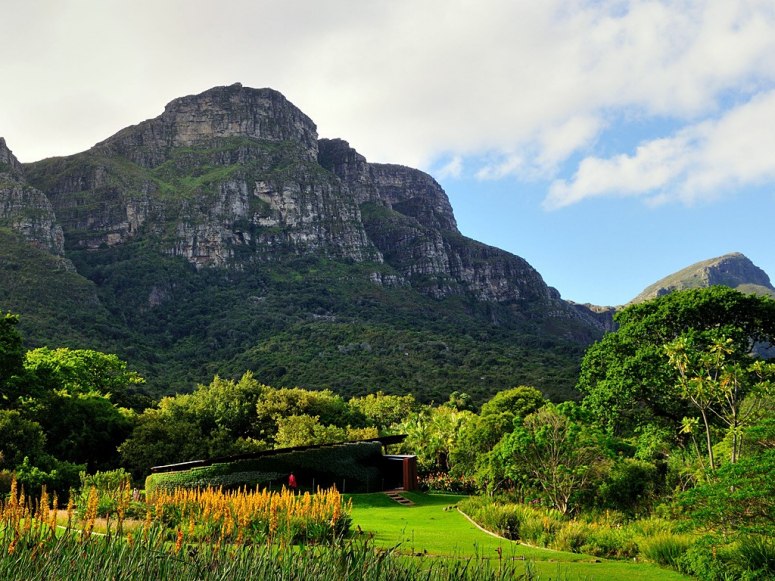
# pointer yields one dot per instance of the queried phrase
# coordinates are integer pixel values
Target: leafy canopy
(627, 377)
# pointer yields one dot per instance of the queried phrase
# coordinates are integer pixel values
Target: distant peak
(734, 270)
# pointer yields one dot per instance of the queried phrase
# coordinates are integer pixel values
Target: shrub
(665, 549)
(756, 555)
(572, 536)
(611, 542)
(705, 559)
(444, 482)
(629, 486)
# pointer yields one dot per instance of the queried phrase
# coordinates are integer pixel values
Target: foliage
(81, 372)
(665, 549)
(304, 430)
(717, 380)
(432, 435)
(627, 378)
(56, 475)
(383, 410)
(82, 428)
(19, 438)
(737, 497)
(515, 402)
(158, 439)
(113, 489)
(11, 351)
(447, 483)
(717, 559)
(631, 485)
(480, 435)
(560, 458)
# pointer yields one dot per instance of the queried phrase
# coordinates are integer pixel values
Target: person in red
(292, 482)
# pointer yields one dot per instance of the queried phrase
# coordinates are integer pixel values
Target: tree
(480, 435)
(11, 351)
(432, 435)
(19, 438)
(160, 439)
(627, 378)
(560, 457)
(275, 404)
(84, 429)
(80, 372)
(306, 430)
(716, 379)
(740, 496)
(382, 410)
(517, 401)
(225, 406)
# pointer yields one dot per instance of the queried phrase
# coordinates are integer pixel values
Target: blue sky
(608, 142)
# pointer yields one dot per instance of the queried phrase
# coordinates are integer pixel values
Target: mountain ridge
(223, 235)
(734, 270)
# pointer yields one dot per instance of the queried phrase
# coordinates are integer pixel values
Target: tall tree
(559, 456)
(717, 379)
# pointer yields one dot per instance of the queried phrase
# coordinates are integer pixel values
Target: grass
(434, 528)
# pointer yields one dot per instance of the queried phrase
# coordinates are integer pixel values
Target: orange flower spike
(179, 541)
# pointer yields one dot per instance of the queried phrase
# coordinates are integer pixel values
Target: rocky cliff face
(235, 177)
(25, 209)
(222, 178)
(409, 218)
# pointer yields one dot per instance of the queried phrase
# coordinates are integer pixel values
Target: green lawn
(434, 528)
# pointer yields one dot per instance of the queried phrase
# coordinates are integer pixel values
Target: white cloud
(452, 169)
(699, 163)
(529, 84)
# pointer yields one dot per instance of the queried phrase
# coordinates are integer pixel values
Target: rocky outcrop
(734, 270)
(209, 117)
(224, 178)
(25, 209)
(409, 218)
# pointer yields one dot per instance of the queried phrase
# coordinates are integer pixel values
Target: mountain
(733, 270)
(223, 235)
(36, 279)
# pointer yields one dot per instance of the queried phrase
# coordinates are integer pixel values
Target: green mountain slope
(223, 236)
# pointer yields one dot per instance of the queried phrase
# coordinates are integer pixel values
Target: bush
(705, 559)
(572, 536)
(756, 555)
(630, 486)
(113, 490)
(56, 475)
(611, 542)
(444, 482)
(665, 549)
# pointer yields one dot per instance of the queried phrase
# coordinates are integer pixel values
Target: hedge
(351, 467)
